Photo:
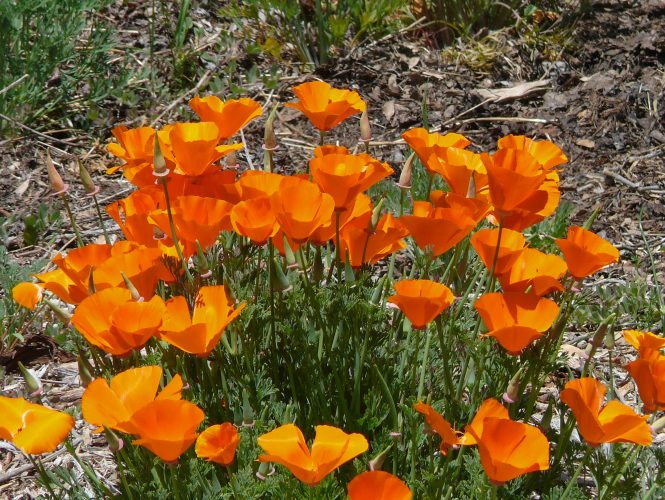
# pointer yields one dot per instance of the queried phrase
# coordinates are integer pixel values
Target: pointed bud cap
(62, 315)
(85, 370)
(247, 411)
(32, 381)
(114, 441)
(132, 289)
(57, 184)
(376, 215)
(290, 257)
(86, 180)
(269, 137)
(365, 129)
(512, 392)
(407, 173)
(317, 266)
(278, 279)
(377, 462)
(158, 161)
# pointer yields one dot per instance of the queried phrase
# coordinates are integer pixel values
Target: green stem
(578, 471)
(101, 220)
(174, 235)
(338, 250)
(65, 202)
(628, 458)
(423, 368)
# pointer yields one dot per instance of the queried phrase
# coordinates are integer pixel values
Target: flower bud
(32, 381)
(265, 469)
(290, 257)
(57, 184)
(376, 215)
(365, 129)
(317, 266)
(471, 190)
(278, 279)
(158, 161)
(269, 137)
(511, 395)
(132, 289)
(658, 426)
(91, 281)
(407, 173)
(247, 411)
(377, 462)
(62, 315)
(114, 441)
(86, 180)
(85, 370)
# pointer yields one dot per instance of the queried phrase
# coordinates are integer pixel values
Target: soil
(602, 100)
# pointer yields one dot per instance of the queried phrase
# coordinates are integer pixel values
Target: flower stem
(174, 236)
(101, 220)
(65, 202)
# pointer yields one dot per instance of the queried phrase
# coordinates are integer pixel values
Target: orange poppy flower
(136, 149)
(484, 243)
(646, 343)
(167, 427)
(532, 268)
(509, 449)
(542, 203)
(218, 443)
(649, 375)
(31, 427)
(199, 333)
(378, 485)
(131, 214)
(514, 178)
(549, 155)
(331, 448)
(344, 176)
(586, 252)
(111, 320)
(516, 319)
(386, 239)
(28, 294)
(490, 408)
(440, 425)
(421, 300)
(229, 116)
(427, 145)
(113, 406)
(193, 147)
(196, 219)
(615, 423)
(358, 215)
(440, 229)
(257, 183)
(330, 149)
(459, 167)
(301, 208)
(324, 106)
(254, 218)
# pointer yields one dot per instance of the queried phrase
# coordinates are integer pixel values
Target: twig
(13, 84)
(512, 119)
(620, 178)
(36, 132)
(204, 79)
(25, 468)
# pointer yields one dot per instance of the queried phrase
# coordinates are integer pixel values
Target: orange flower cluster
(507, 448)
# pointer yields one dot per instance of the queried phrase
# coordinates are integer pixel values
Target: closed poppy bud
(658, 426)
(130, 286)
(62, 315)
(278, 279)
(376, 215)
(511, 395)
(365, 129)
(378, 485)
(115, 442)
(317, 266)
(265, 469)
(377, 462)
(86, 180)
(407, 173)
(85, 370)
(158, 162)
(269, 137)
(290, 257)
(57, 184)
(32, 381)
(247, 411)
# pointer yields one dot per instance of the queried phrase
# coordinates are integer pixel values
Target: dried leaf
(389, 109)
(516, 92)
(585, 143)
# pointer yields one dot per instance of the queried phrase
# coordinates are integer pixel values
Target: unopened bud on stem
(57, 184)
(407, 173)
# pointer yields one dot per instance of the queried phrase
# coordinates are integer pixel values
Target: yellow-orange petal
(218, 443)
(490, 408)
(440, 425)
(378, 485)
(28, 294)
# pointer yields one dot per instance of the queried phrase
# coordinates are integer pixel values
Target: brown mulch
(602, 102)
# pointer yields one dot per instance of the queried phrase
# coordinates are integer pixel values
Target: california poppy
(514, 176)
(358, 216)
(167, 427)
(136, 149)
(194, 147)
(646, 343)
(344, 176)
(364, 246)
(490, 408)
(131, 214)
(325, 106)
(200, 332)
(484, 243)
(515, 319)
(542, 203)
(421, 300)
(331, 448)
(111, 320)
(649, 375)
(301, 208)
(28, 294)
(536, 270)
(463, 171)
(586, 252)
(440, 425)
(424, 144)
(549, 155)
(230, 116)
(31, 427)
(614, 423)
(218, 443)
(255, 219)
(113, 406)
(509, 449)
(439, 229)
(378, 485)
(257, 184)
